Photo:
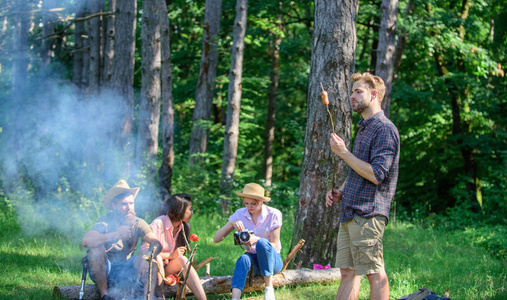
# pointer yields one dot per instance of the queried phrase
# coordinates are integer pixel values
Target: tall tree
(166, 168)
(332, 64)
(269, 135)
(94, 42)
(386, 49)
(108, 48)
(79, 49)
(205, 88)
(149, 110)
(122, 75)
(233, 105)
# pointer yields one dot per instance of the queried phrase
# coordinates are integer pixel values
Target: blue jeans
(266, 262)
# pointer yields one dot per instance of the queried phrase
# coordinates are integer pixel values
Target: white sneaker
(269, 293)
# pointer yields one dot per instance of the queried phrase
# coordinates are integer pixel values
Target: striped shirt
(377, 143)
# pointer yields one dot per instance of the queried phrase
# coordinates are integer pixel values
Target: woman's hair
(175, 208)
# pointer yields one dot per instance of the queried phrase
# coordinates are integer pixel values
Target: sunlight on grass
(415, 258)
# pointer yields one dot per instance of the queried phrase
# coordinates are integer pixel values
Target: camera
(241, 237)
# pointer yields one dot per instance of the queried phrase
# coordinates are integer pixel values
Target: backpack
(423, 294)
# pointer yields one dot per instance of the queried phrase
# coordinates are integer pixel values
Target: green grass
(415, 258)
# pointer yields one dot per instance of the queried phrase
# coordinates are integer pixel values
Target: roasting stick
(325, 101)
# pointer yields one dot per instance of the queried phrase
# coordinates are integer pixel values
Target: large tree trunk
(233, 106)
(166, 168)
(108, 52)
(149, 111)
(269, 136)
(386, 48)
(333, 51)
(78, 65)
(94, 42)
(205, 88)
(122, 76)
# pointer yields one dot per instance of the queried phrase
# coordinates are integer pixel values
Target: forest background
(93, 91)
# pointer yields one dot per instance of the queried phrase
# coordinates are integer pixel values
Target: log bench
(222, 284)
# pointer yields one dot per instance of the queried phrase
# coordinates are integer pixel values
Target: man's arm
(361, 167)
(94, 238)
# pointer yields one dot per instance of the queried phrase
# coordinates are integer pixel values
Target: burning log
(222, 284)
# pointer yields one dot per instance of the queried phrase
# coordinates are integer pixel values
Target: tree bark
(166, 168)
(233, 106)
(269, 135)
(108, 53)
(221, 284)
(94, 42)
(386, 49)
(332, 64)
(402, 38)
(149, 111)
(77, 66)
(122, 75)
(205, 88)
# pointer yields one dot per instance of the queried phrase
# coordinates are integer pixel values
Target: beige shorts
(360, 245)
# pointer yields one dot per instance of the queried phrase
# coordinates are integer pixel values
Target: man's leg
(379, 286)
(97, 262)
(349, 285)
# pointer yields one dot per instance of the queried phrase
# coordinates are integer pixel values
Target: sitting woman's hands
(180, 251)
(253, 239)
(238, 225)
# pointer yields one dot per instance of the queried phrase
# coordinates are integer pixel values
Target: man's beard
(127, 219)
(360, 107)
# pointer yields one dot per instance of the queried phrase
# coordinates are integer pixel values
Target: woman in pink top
(168, 229)
(263, 247)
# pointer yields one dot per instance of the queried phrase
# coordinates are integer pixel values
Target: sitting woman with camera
(258, 227)
(172, 230)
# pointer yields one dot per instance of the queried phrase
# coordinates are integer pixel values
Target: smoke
(60, 153)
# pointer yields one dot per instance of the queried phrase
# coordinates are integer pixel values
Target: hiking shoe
(269, 293)
(106, 297)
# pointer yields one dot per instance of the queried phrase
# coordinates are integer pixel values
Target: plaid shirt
(377, 143)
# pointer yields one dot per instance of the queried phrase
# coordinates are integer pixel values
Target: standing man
(367, 193)
(112, 241)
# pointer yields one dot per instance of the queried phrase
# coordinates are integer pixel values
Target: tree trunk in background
(333, 52)
(402, 38)
(233, 106)
(94, 41)
(386, 48)
(20, 54)
(48, 20)
(149, 110)
(122, 76)
(78, 65)
(269, 135)
(166, 168)
(205, 88)
(108, 48)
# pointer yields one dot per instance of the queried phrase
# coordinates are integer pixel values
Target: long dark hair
(175, 208)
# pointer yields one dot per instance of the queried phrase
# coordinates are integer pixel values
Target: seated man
(112, 242)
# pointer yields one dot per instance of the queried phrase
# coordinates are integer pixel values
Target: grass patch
(415, 258)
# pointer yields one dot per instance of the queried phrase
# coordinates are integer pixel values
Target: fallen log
(221, 284)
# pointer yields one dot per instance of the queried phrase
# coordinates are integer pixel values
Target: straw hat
(254, 191)
(119, 188)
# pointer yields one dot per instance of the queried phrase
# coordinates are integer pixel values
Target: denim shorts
(360, 245)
